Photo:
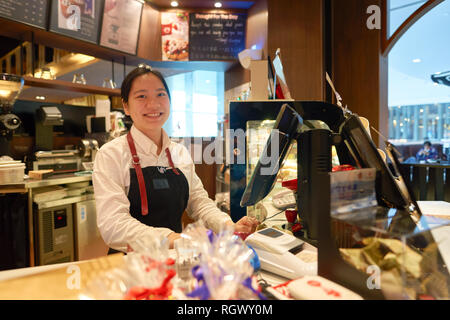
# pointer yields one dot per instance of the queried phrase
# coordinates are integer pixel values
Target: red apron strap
(139, 174)
(169, 157)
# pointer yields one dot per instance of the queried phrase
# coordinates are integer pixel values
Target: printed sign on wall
(79, 19)
(175, 36)
(121, 22)
(32, 12)
(214, 36)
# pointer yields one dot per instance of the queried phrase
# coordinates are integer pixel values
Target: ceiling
(239, 4)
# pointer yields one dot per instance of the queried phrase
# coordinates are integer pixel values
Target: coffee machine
(10, 87)
(87, 149)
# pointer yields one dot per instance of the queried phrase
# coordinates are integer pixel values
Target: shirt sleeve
(419, 156)
(200, 206)
(117, 227)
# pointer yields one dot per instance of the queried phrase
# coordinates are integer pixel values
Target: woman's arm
(201, 207)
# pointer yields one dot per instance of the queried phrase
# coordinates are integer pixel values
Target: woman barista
(143, 181)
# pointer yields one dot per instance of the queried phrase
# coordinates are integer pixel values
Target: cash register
(396, 212)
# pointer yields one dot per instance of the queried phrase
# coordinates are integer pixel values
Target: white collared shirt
(111, 180)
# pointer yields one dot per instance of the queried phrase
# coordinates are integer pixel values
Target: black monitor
(314, 156)
(271, 160)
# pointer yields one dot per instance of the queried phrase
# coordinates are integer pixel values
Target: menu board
(120, 27)
(32, 12)
(79, 19)
(175, 36)
(215, 36)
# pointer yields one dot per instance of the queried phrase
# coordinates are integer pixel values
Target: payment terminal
(282, 254)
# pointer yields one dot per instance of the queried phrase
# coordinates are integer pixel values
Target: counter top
(65, 281)
(36, 183)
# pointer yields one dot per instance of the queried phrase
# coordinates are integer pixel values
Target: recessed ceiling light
(417, 60)
(40, 97)
(218, 5)
(174, 3)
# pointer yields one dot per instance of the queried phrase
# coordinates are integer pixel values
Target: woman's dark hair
(427, 143)
(137, 72)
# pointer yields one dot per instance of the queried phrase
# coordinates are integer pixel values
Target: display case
(258, 132)
(406, 260)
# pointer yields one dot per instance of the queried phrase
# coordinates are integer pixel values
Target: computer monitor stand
(313, 202)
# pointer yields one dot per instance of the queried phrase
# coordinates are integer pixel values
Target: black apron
(167, 191)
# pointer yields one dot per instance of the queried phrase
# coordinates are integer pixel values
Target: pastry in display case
(406, 260)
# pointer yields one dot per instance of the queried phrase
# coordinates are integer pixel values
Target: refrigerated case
(88, 241)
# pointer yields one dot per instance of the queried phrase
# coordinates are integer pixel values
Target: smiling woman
(141, 191)
(146, 100)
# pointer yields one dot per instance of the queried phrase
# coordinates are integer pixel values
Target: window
(197, 103)
(419, 108)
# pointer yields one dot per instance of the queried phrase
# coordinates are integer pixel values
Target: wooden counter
(66, 281)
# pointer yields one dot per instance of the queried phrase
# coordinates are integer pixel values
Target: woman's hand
(246, 225)
(172, 237)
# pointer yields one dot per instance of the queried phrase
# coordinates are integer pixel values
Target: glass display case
(258, 132)
(405, 258)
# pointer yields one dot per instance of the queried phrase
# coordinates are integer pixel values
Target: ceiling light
(417, 60)
(174, 3)
(40, 97)
(218, 5)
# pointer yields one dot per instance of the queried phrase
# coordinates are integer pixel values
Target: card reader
(281, 253)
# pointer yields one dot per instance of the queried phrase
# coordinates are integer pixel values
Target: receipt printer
(280, 253)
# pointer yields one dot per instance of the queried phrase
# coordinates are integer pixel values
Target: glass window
(419, 107)
(197, 103)
(400, 10)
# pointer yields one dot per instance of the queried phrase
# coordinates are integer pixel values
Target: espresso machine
(87, 149)
(10, 87)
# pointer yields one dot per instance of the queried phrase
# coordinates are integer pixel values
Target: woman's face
(148, 103)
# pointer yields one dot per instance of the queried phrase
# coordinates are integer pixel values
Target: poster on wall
(79, 19)
(32, 12)
(175, 36)
(121, 23)
(216, 36)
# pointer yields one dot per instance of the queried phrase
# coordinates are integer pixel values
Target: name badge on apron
(160, 184)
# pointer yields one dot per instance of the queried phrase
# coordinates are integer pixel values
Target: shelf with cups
(69, 86)
(65, 92)
(47, 78)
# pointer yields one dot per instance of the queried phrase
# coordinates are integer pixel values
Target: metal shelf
(64, 201)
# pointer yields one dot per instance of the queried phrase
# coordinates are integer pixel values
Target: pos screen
(265, 173)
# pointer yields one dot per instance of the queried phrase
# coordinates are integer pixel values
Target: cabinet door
(88, 241)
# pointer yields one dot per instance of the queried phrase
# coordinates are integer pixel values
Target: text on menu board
(215, 36)
(32, 12)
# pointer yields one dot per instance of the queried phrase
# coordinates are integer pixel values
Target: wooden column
(297, 28)
(359, 70)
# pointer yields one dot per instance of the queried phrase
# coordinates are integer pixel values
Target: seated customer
(427, 152)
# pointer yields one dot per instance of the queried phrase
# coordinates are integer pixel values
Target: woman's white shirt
(111, 180)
